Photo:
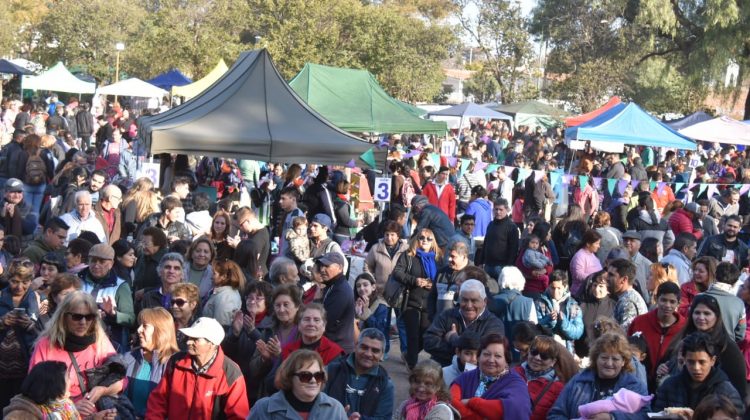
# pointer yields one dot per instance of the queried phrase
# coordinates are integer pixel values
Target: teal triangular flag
(522, 174)
(737, 186)
(555, 177)
(611, 183)
(465, 165)
(583, 180)
(491, 168)
(702, 188)
(435, 160)
(678, 186)
(653, 185)
(369, 158)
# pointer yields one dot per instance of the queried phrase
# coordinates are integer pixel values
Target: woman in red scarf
(429, 399)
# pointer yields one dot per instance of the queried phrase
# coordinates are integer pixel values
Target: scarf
(259, 317)
(74, 343)
(485, 382)
(417, 410)
(531, 375)
(428, 263)
(62, 409)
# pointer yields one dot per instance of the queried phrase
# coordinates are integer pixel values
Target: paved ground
(398, 373)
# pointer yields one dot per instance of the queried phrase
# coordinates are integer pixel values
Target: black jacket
(443, 351)
(338, 301)
(407, 270)
(501, 243)
(678, 391)
(14, 161)
(84, 124)
(715, 246)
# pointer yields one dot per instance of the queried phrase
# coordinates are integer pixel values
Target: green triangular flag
(678, 186)
(491, 168)
(583, 180)
(737, 186)
(702, 188)
(652, 185)
(435, 158)
(522, 174)
(611, 183)
(465, 165)
(369, 158)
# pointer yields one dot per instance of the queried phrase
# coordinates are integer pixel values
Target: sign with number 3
(382, 189)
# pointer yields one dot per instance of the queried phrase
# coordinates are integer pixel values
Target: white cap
(207, 328)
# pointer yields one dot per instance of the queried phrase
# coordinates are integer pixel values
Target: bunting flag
(368, 157)
(412, 154)
(554, 178)
(479, 166)
(351, 164)
(382, 144)
(491, 168)
(661, 187)
(652, 185)
(737, 186)
(634, 183)
(622, 185)
(435, 158)
(702, 188)
(678, 186)
(566, 179)
(745, 188)
(538, 175)
(522, 175)
(452, 161)
(583, 180)
(713, 189)
(611, 183)
(597, 183)
(465, 165)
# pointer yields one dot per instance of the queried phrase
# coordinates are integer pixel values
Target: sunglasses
(543, 356)
(179, 302)
(80, 317)
(305, 376)
(425, 238)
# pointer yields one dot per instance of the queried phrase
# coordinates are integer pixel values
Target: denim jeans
(34, 194)
(493, 270)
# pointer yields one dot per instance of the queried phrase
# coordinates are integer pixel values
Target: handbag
(396, 294)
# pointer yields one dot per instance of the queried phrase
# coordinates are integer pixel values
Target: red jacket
(447, 200)
(476, 408)
(688, 291)
(327, 349)
(535, 284)
(682, 221)
(648, 325)
(218, 393)
(548, 399)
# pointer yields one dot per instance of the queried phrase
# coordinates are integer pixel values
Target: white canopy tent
(719, 130)
(58, 79)
(132, 87)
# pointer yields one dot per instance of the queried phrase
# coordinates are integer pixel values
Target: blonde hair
(146, 201)
(165, 337)
(56, 331)
(660, 274)
(414, 244)
(612, 343)
(432, 371)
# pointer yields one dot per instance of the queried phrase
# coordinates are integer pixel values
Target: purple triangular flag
(351, 164)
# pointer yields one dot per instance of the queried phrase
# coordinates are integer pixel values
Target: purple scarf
(507, 389)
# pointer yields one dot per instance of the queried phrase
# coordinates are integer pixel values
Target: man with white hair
(108, 213)
(510, 306)
(81, 218)
(441, 339)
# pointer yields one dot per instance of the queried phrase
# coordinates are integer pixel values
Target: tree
(499, 30)
(482, 85)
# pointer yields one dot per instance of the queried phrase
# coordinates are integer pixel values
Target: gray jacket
(277, 407)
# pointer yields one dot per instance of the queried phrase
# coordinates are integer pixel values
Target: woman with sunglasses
(146, 364)
(185, 307)
(416, 269)
(300, 381)
(658, 274)
(19, 327)
(75, 337)
(704, 275)
(546, 370)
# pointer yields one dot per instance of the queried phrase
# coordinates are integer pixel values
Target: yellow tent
(195, 88)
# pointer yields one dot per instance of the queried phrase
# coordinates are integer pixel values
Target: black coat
(501, 243)
(407, 270)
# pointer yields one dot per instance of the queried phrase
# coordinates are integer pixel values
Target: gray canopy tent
(252, 113)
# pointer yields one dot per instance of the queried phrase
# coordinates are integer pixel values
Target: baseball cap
(103, 251)
(331, 258)
(322, 219)
(206, 328)
(14, 185)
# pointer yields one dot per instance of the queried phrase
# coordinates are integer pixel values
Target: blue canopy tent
(629, 124)
(169, 79)
(692, 119)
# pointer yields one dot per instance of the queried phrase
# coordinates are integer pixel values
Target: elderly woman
(546, 370)
(145, 365)
(429, 399)
(585, 262)
(704, 274)
(171, 271)
(659, 273)
(510, 306)
(75, 337)
(19, 327)
(596, 302)
(382, 257)
(198, 269)
(300, 381)
(311, 324)
(416, 269)
(492, 390)
(226, 298)
(609, 372)
(185, 307)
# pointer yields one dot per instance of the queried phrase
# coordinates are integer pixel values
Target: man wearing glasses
(201, 384)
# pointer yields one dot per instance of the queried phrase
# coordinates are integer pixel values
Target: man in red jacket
(441, 194)
(659, 326)
(202, 384)
(686, 220)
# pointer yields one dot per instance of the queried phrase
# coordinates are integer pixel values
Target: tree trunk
(747, 105)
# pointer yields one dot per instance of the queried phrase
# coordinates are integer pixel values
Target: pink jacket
(89, 358)
(587, 198)
(583, 264)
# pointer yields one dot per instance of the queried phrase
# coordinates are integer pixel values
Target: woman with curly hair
(139, 202)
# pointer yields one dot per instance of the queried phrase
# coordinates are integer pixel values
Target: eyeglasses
(305, 376)
(80, 317)
(665, 266)
(179, 302)
(425, 238)
(543, 356)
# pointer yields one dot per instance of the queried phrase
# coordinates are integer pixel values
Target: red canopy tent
(580, 119)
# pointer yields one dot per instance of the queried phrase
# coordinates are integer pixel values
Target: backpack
(407, 191)
(36, 171)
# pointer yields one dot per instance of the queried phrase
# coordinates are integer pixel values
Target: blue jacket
(481, 209)
(569, 326)
(372, 399)
(580, 390)
(277, 407)
(28, 302)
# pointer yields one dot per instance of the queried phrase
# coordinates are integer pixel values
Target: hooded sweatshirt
(481, 209)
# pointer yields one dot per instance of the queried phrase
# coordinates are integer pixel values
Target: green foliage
(499, 30)
(661, 87)
(482, 85)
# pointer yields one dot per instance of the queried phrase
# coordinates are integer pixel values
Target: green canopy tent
(354, 101)
(534, 113)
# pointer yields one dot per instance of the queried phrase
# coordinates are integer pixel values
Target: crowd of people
(242, 289)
